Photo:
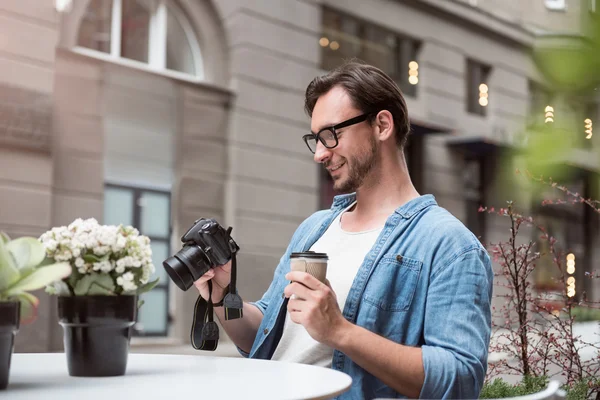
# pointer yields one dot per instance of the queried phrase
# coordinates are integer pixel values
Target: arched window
(154, 32)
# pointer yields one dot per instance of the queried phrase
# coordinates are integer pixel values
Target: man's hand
(314, 306)
(220, 276)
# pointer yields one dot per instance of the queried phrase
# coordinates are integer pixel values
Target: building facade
(158, 112)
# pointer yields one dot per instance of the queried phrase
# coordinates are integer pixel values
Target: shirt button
(266, 331)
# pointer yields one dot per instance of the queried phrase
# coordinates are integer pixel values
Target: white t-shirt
(346, 252)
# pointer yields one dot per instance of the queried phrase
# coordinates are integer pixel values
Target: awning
(420, 128)
(480, 146)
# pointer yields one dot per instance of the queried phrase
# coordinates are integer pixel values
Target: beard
(359, 167)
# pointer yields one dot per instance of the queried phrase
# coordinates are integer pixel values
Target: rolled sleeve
(458, 327)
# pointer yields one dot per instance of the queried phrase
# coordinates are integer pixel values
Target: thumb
(205, 278)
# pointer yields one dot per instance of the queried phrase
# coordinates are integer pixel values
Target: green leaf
(28, 252)
(39, 278)
(29, 306)
(140, 303)
(92, 258)
(4, 237)
(96, 289)
(94, 283)
(58, 288)
(9, 273)
(147, 287)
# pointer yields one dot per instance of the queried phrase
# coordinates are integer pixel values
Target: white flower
(50, 244)
(121, 248)
(104, 266)
(126, 281)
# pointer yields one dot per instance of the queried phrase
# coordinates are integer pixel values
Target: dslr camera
(205, 245)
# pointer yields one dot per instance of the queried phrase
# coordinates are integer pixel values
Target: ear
(385, 125)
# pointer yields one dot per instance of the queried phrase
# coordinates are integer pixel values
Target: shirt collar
(414, 206)
(407, 210)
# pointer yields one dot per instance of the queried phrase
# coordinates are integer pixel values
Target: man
(406, 309)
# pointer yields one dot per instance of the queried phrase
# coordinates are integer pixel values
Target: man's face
(351, 161)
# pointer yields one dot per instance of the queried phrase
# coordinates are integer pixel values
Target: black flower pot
(97, 330)
(10, 314)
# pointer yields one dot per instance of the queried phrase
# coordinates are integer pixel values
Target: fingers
(304, 278)
(204, 278)
(298, 290)
(296, 306)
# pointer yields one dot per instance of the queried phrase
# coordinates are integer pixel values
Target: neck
(387, 188)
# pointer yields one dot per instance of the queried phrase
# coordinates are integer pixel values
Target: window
(153, 32)
(150, 212)
(345, 37)
(474, 195)
(477, 87)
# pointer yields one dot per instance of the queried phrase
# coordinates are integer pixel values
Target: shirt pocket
(393, 283)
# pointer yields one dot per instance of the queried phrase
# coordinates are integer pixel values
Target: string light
(413, 72)
(324, 42)
(549, 114)
(571, 263)
(570, 271)
(334, 45)
(483, 95)
(588, 128)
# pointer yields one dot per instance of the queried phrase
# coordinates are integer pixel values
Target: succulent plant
(24, 268)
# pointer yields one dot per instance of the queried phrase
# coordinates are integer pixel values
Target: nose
(322, 153)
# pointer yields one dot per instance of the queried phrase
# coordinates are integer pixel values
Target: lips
(336, 167)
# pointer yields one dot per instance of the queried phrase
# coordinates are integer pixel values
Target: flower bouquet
(98, 301)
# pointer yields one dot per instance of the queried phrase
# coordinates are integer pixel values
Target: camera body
(205, 245)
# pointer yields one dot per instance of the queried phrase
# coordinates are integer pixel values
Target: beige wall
(27, 60)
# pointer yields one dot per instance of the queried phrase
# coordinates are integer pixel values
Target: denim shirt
(427, 282)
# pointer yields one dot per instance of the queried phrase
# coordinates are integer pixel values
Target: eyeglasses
(328, 135)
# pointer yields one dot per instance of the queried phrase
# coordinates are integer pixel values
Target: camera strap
(233, 303)
(205, 331)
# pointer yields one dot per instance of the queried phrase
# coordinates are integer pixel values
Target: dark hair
(369, 88)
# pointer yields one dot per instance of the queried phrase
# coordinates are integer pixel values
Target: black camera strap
(233, 303)
(205, 331)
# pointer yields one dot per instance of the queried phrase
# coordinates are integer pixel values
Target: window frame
(157, 38)
(138, 192)
(476, 74)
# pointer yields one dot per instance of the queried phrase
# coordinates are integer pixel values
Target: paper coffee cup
(311, 262)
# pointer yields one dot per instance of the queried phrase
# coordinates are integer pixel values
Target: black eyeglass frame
(332, 129)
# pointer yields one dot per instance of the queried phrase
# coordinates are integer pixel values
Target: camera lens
(186, 266)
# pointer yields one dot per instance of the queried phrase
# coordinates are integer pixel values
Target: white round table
(173, 377)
